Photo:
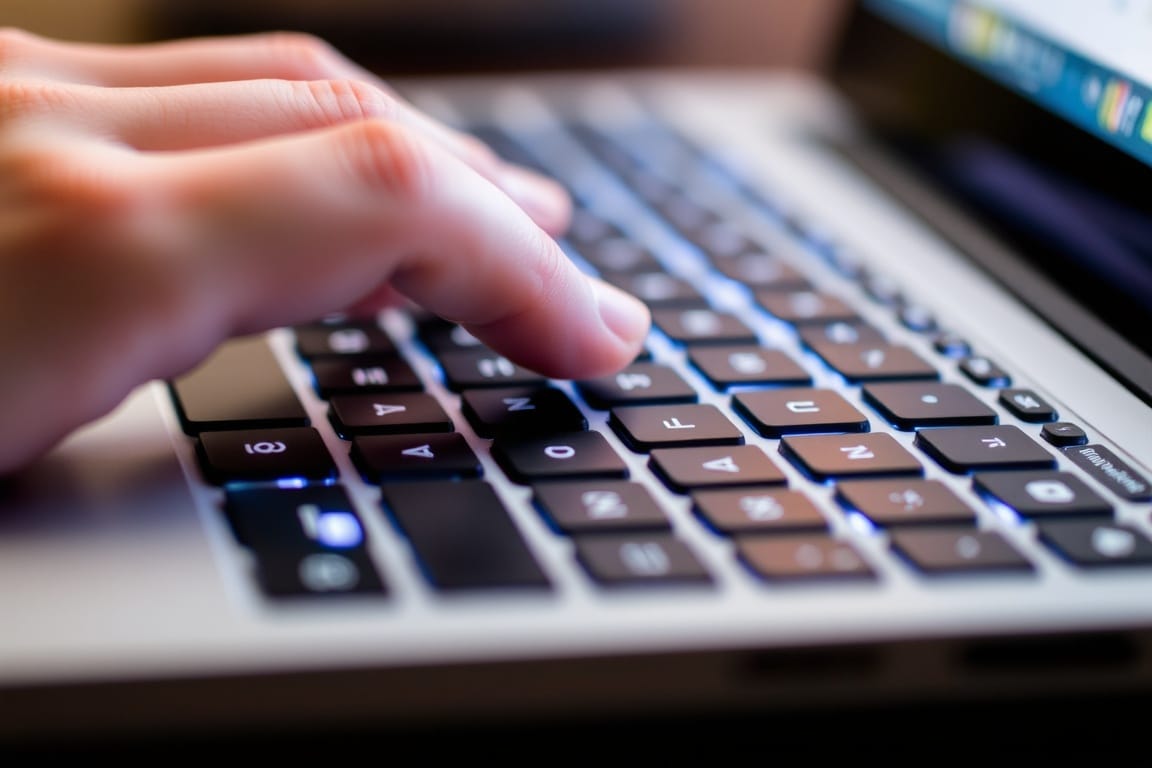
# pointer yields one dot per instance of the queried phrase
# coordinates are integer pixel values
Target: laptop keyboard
(766, 403)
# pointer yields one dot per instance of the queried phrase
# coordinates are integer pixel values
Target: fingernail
(625, 315)
(541, 198)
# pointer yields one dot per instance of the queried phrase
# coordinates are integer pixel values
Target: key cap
(588, 227)
(1041, 494)
(468, 369)
(521, 411)
(967, 449)
(619, 254)
(1063, 434)
(957, 552)
(720, 239)
(684, 469)
(599, 506)
(985, 372)
(638, 384)
(703, 326)
(1096, 544)
(565, 456)
(284, 575)
(774, 413)
(387, 413)
(333, 376)
(758, 510)
(801, 558)
(659, 290)
(727, 366)
(440, 336)
(911, 405)
(463, 536)
(805, 307)
(875, 362)
(1027, 405)
(827, 456)
(277, 520)
(840, 332)
(383, 458)
(1108, 469)
(265, 455)
(951, 345)
(240, 386)
(916, 318)
(644, 427)
(640, 560)
(905, 501)
(760, 270)
(321, 340)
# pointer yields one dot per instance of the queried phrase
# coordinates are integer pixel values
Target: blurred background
(434, 36)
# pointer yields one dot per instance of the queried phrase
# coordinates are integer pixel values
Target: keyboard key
(240, 386)
(985, 372)
(1096, 544)
(951, 345)
(342, 340)
(326, 575)
(1027, 405)
(334, 376)
(659, 290)
(468, 369)
(778, 412)
(802, 558)
(265, 456)
(619, 254)
(760, 270)
(805, 307)
(958, 552)
(875, 362)
(1108, 469)
(916, 318)
(703, 326)
(276, 520)
(685, 469)
(599, 506)
(905, 501)
(727, 366)
(644, 427)
(910, 405)
(840, 332)
(1042, 494)
(640, 560)
(967, 449)
(758, 510)
(830, 456)
(463, 536)
(440, 335)
(388, 413)
(521, 412)
(565, 456)
(383, 458)
(588, 227)
(1063, 434)
(638, 384)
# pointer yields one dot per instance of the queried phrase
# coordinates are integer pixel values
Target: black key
(521, 412)
(567, 456)
(967, 449)
(1042, 494)
(760, 270)
(703, 326)
(758, 510)
(640, 560)
(985, 372)
(599, 506)
(278, 520)
(774, 413)
(296, 454)
(828, 456)
(638, 384)
(1096, 544)
(802, 558)
(910, 405)
(334, 376)
(727, 366)
(951, 345)
(875, 362)
(240, 386)
(684, 469)
(958, 552)
(644, 427)
(619, 254)
(1108, 469)
(658, 289)
(1027, 405)
(383, 458)
(441, 336)
(390, 413)
(805, 307)
(342, 340)
(468, 369)
(906, 501)
(284, 575)
(840, 332)
(1063, 434)
(463, 536)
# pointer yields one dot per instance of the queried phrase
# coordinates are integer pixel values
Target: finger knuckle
(24, 99)
(300, 55)
(13, 44)
(338, 101)
(384, 156)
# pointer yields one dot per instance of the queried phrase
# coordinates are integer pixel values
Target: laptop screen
(1036, 117)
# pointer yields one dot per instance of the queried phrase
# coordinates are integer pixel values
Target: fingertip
(544, 200)
(624, 315)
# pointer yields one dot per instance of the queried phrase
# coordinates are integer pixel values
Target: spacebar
(463, 536)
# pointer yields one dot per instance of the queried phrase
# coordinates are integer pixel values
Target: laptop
(889, 441)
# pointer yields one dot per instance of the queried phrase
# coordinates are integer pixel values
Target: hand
(158, 199)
